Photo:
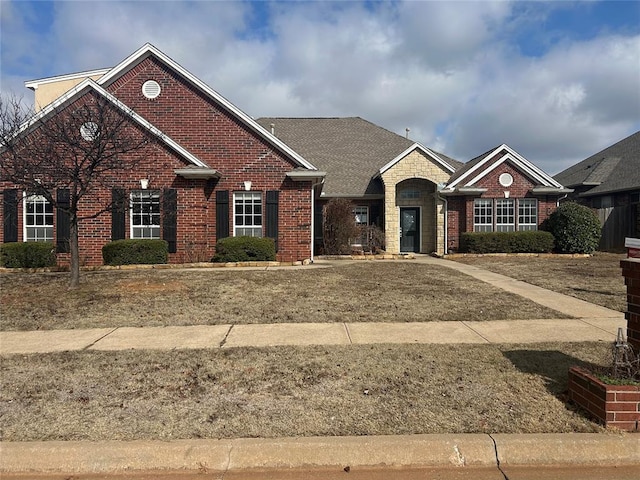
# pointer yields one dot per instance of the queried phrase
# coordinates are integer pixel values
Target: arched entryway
(415, 204)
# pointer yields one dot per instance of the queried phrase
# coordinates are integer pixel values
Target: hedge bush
(135, 252)
(576, 228)
(244, 249)
(506, 242)
(27, 255)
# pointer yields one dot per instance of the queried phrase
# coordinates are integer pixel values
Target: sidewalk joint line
(495, 449)
(346, 328)
(584, 320)
(476, 332)
(224, 340)
(98, 339)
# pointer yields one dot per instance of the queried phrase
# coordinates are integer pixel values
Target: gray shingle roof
(616, 168)
(465, 167)
(351, 150)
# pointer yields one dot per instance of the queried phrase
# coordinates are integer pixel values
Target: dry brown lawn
(384, 291)
(291, 391)
(597, 279)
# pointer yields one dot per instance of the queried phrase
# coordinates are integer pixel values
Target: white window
(362, 215)
(527, 214)
(483, 215)
(505, 215)
(38, 219)
(247, 214)
(145, 214)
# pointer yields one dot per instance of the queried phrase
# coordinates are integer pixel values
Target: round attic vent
(89, 131)
(151, 89)
(506, 179)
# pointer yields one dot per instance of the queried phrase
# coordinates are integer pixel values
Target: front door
(409, 230)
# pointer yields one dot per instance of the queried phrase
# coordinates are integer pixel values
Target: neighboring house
(609, 182)
(216, 172)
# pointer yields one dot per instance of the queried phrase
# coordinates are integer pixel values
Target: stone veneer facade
(416, 170)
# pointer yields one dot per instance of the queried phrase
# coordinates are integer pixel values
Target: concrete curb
(474, 450)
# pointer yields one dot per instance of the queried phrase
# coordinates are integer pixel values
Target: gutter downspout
(560, 199)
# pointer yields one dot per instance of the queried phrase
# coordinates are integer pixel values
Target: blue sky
(557, 81)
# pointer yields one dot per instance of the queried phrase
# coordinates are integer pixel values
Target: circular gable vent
(506, 179)
(89, 131)
(151, 89)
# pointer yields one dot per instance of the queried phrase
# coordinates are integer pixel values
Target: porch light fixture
(144, 183)
(247, 186)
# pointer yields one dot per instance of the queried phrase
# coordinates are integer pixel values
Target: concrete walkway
(264, 335)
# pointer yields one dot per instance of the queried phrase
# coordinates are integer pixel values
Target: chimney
(407, 130)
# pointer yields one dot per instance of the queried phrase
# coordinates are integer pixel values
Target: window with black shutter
(10, 209)
(222, 214)
(63, 224)
(118, 211)
(271, 221)
(169, 218)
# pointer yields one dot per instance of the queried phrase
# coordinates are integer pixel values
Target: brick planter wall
(613, 405)
(631, 273)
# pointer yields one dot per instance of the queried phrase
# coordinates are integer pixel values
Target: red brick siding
(460, 209)
(614, 405)
(216, 138)
(631, 273)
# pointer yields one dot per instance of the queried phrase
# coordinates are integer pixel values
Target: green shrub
(576, 228)
(506, 242)
(135, 252)
(245, 249)
(27, 255)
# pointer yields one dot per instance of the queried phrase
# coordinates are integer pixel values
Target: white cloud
(450, 71)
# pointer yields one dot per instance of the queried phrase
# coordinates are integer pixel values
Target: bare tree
(77, 148)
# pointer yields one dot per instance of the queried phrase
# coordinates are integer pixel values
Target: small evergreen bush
(576, 228)
(506, 242)
(27, 255)
(135, 252)
(245, 249)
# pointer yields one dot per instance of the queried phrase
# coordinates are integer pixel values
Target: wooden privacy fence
(617, 223)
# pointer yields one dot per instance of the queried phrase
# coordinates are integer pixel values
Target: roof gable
(616, 168)
(149, 50)
(426, 151)
(480, 166)
(89, 85)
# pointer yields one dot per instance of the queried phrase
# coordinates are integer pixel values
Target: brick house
(217, 172)
(609, 182)
(421, 198)
(214, 173)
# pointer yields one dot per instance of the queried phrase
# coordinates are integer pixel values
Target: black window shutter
(374, 215)
(170, 218)
(63, 224)
(10, 209)
(222, 214)
(118, 210)
(271, 212)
